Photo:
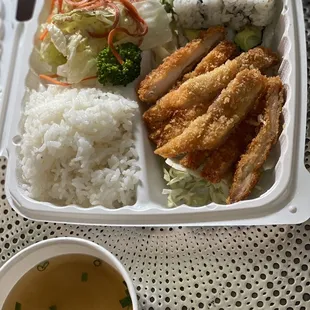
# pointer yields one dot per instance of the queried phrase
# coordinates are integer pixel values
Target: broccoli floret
(110, 71)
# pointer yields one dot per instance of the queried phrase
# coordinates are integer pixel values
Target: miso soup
(70, 282)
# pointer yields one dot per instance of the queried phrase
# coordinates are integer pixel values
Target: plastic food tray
(285, 200)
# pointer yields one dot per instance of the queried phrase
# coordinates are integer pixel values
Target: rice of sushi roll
(234, 13)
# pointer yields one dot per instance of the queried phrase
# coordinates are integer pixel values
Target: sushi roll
(233, 13)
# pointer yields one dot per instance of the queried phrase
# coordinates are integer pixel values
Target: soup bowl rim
(68, 245)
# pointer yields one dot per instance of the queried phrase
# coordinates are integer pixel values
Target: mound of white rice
(199, 14)
(77, 147)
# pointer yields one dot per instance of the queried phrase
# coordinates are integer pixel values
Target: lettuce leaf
(57, 38)
(158, 22)
(81, 60)
(50, 54)
(97, 22)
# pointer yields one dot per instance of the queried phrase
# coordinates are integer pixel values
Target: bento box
(284, 198)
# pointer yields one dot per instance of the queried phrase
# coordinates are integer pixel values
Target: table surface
(264, 267)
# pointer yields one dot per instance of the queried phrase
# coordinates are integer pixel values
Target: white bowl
(13, 270)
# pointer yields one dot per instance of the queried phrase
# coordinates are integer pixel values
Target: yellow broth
(70, 282)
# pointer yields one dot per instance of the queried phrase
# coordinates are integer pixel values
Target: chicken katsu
(178, 123)
(217, 163)
(209, 131)
(215, 58)
(193, 91)
(213, 114)
(220, 161)
(249, 167)
(160, 80)
(181, 118)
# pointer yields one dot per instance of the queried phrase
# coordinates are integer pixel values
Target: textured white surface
(193, 268)
(307, 24)
(265, 267)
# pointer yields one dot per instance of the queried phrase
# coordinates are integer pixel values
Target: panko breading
(249, 167)
(209, 131)
(182, 118)
(218, 56)
(191, 93)
(221, 161)
(160, 80)
(206, 87)
(178, 123)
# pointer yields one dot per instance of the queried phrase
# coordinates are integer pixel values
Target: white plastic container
(14, 269)
(286, 198)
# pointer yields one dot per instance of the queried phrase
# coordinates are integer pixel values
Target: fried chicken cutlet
(215, 58)
(209, 131)
(160, 80)
(206, 87)
(179, 121)
(221, 161)
(249, 167)
(181, 118)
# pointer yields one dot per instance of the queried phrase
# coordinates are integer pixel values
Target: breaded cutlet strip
(160, 80)
(249, 167)
(214, 169)
(215, 58)
(210, 130)
(178, 123)
(221, 160)
(206, 87)
(182, 118)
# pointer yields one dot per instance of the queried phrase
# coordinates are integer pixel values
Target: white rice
(77, 147)
(199, 14)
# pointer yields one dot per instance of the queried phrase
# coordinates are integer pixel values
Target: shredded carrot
(52, 6)
(99, 35)
(110, 41)
(92, 5)
(115, 23)
(52, 80)
(89, 5)
(133, 11)
(90, 78)
(141, 25)
(45, 32)
(60, 2)
(111, 45)
(43, 35)
(76, 3)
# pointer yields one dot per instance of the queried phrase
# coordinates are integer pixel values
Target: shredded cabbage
(190, 189)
